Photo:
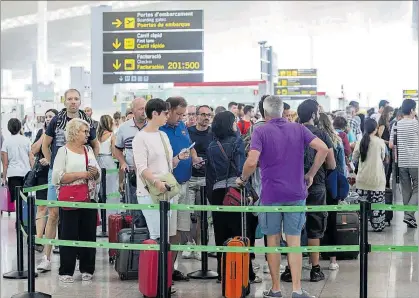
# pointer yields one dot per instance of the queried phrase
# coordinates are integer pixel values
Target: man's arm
(119, 155)
(46, 143)
(250, 164)
(320, 157)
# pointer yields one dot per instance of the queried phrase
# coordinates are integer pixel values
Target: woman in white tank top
(106, 139)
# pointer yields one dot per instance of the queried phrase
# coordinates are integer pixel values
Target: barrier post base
(201, 274)
(32, 295)
(102, 235)
(17, 275)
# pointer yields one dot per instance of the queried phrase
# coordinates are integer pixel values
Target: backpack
(247, 138)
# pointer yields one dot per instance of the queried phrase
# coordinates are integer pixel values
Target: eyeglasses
(205, 115)
(86, 132)
(191, 114)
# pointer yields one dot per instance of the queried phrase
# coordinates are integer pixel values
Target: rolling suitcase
(346, 233)
(6, 203)
(126, 261)
(235, 266)
(389, 201)
(117, 222)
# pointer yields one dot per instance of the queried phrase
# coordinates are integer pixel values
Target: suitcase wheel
(122, 276)
(111, 260)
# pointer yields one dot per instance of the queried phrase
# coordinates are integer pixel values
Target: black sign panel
(153, 20)
(297, 72)
(297, 97)
(411, 94)
(153, 62)
(153, 78)
(153, 41)
(292, 82)
(292, 91)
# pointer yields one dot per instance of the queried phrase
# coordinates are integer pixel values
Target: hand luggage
(389, 201)
(116, 223)
(126, 261)
(235, 266)
(6, 203)
(346, 233)
(148, 273)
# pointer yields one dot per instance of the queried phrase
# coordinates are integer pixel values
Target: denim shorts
(52, 190)
(290, 223)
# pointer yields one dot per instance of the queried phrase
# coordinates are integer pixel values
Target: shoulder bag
(232, 196)
(75, 192)
(169, 179)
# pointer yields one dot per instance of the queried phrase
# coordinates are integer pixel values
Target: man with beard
(123, 152)
(201, 135)
(308, 113)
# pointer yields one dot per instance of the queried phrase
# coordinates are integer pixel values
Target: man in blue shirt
(179, 138)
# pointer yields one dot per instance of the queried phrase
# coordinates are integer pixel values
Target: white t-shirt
(17, 148)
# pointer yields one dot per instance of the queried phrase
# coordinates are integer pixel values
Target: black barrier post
(364, 248)
(102, 199)
(163, 291)
(31, 256)
(204, 273)
(19, 274)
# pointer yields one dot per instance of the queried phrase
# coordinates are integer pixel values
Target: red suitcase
(148, 272)
(117, 222)
(6, 203)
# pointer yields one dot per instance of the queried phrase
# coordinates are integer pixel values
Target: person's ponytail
(370, 126)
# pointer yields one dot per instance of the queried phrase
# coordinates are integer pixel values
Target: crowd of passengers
(284, 155)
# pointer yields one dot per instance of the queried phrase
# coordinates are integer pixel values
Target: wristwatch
(242, 179)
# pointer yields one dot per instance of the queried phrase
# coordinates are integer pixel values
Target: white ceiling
(69, 39)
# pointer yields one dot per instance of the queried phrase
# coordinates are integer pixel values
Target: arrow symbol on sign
(121, 78)
(117, 23)
(116, 64)
(116, 44)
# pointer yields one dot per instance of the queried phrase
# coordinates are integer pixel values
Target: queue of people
(219, 148)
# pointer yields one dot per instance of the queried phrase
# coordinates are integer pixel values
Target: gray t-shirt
(17, 148)
(124, 137)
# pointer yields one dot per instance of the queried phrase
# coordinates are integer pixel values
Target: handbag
(169, 179)
(75, 192)
(30, 179)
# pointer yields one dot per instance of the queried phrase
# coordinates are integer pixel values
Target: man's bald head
(138, 109)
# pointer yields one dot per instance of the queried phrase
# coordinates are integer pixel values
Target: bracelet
(178, 157)
(242, 179)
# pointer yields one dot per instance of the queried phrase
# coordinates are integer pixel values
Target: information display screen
(296, 84)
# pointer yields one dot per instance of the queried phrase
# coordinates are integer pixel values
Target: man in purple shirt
(278, 146)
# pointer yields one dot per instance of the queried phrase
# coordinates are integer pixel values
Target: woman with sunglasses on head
(41, 176)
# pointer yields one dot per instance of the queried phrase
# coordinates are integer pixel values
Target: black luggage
(126, 261)
(346, 233)
(389, 201)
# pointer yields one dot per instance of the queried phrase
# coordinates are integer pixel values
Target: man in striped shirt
(407, 145)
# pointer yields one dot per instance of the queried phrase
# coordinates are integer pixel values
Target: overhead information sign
(412, 94)
(153, 62)
(153, 47)
(296, 84)
(297, 72)
(152, 78)
(153, 41)
(153, 20)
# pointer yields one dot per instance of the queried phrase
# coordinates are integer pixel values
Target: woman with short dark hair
(222, 174)
(16, 156)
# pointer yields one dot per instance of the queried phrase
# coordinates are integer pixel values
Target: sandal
(257, 280)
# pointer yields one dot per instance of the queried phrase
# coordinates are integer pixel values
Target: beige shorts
(195, 184)
(184, 217)
(152, 217)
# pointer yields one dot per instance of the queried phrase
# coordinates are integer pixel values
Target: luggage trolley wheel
(111, 260)
(122, 276)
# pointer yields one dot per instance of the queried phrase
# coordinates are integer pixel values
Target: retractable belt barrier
(364, 247)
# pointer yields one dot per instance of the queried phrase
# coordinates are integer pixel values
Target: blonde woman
(106, 139)
(75, 164)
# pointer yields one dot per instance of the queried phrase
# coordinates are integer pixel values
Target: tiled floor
(392, 275)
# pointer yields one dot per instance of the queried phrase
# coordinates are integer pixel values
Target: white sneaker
(281, 268)
(255, 265)
(77, 265)
(197, 255)
(307, 264)
(188, 254)
(45, 265)
(266, 268)
(67, 279)
(333, 266)
(86, 277)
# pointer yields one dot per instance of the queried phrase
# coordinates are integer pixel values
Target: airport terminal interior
(110, 63)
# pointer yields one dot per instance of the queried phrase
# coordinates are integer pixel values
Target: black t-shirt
(202, 140)
(58, 137)
(319, 179)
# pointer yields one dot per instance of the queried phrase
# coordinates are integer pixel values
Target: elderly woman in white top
(71, 168)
